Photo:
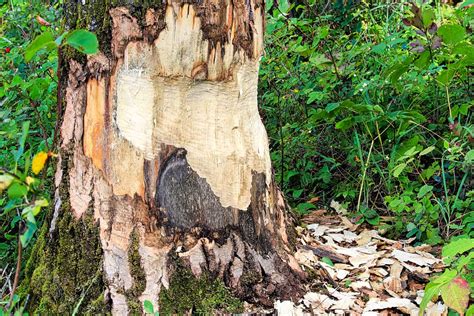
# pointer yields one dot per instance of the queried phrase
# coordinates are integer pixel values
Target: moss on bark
(94, 16)
(202, 296)
(138, 275)
(65, 272)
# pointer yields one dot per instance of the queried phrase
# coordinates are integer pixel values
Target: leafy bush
(457, 281)
(370, 103)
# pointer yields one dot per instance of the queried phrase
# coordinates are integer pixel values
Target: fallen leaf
(42, 21)
(402, 304)
(413, 257)
(338, 207)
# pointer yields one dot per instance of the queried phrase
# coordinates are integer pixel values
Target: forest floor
(357, 271)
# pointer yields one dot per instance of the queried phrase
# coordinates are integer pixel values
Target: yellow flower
(38, 162)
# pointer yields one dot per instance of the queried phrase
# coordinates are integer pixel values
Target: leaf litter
(356, 271)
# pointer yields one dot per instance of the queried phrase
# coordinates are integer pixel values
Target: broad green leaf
(470, 310)
(445, 76)
(398, 169)
(452, 33)
(345, 123)
(423, 60)
(469, 158)
(25, 238)
(428, 16)
(327, 261)
(466, 3)
(305, 207)
(283, 5)
(424, 190)
(17, 190)
(331, 107)
(427, 150)
(464, 260)
(319, 59)
(297, 193)
(457, 247)
(84, 41)
(455, 294)
(45, 40)
(148, 306)
(380, 48)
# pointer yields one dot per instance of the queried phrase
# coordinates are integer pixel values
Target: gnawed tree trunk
(164, 167)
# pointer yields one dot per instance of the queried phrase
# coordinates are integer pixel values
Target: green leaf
(465, 4)
(427, 150)
(283, 5)
(428, 16)
(45, 40)
(303, 208)
(457, 247)
(345, 123)
(25, 238)
(452, 33)
(17, 190)
(431, 290)
(84, 41)
(24, 135)
(455, 294)
(424, 190)
(319, 59)
(470, 310)
(331, 107)
(327, 261)
(398, 169)
(297, 193)
(464, 260)
(469, 158)
(380, 48)
(148, 306)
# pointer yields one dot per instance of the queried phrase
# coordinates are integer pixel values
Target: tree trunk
(164, 179)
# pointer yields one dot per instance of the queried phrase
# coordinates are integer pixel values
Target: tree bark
(164, 163)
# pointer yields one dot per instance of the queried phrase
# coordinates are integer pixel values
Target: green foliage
(456, 283)
(149, 309)
(29, 61)
(370, 103)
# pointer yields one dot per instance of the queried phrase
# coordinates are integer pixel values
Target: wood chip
(326, 251)
(413, 257)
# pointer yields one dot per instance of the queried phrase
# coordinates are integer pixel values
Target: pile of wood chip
(358, 272)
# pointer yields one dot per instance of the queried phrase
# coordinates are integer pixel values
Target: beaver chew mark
(187, 199)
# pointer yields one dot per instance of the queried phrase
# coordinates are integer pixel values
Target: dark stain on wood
(185, 203)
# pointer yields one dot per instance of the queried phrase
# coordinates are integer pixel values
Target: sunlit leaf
(5, 181)
(455, 294)
(17, 190)
(84, 41)
(45, 40)
(452, 33)
(38, 162)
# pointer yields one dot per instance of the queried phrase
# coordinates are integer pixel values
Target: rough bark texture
(164, 175)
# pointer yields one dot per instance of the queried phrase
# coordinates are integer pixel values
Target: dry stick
(363, 174)
(17, 273)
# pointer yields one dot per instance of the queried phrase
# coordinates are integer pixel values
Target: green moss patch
(64, 273)
(138, 275)
(202, 295)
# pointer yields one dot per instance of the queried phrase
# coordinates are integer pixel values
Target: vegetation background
(367, 104)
